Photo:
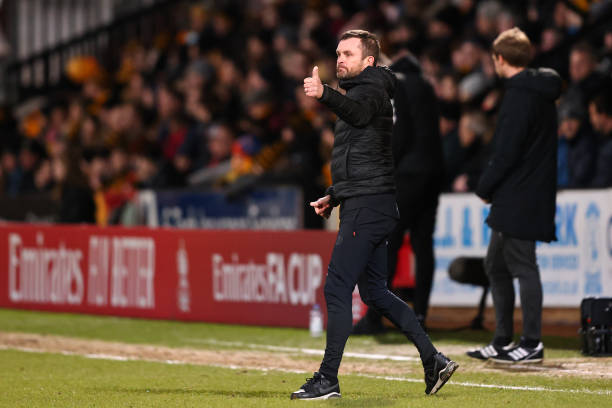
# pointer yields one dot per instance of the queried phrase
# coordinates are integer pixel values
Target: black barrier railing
(43, 72)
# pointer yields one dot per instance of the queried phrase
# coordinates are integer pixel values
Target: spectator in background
(43, 177)
(31, 156)
(550, 53)
(193, 153)
(600, 111)
(585, 80)
(55, 130)
(10, 172)
(446, 87)
(172, 130)
(89, 134)
(466, 151)
(444, 23)
(145, 167)
(486, 23)
(450, 113)
(96, 169)
(227, 96)
(577, 147)
(567, 17)
(119, 188)
(419, 175)
(171, 136)
(606, 52)
(72, 189)
(466, 57)
(197, 75)
(219, 140)
(75, 115)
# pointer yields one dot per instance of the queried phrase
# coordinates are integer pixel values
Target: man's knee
(521, 261)
(495, 268)
(377, 297)
(336, 290)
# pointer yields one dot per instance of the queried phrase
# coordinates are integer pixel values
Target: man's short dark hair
(514, 47)
(370, 46)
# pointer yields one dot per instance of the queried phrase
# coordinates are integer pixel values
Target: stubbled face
(350, 60)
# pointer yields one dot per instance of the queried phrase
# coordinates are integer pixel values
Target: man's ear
(370, 60)
(500, 59)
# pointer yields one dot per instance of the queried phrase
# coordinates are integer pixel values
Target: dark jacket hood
(543, 81)
(408, 64)
(378, 76)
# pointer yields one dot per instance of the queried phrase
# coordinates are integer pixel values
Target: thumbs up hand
(313, 85)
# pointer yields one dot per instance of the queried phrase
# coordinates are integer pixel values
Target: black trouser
(360, 257)
(509, 258)
(417, 198)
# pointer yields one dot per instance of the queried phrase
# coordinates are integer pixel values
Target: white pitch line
(526, 367)
(496, 386)
(309, 351)
(267, 369)
(318, 352)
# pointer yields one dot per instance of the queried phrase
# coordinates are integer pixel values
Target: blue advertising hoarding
(577, 265)
(266, 208)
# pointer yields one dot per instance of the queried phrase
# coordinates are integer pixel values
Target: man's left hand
(322, 206)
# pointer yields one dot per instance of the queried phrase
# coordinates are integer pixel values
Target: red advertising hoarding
(243, 277)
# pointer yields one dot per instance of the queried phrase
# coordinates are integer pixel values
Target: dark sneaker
(522, 354)
(438, 373)
(317, 388)
(490, 351)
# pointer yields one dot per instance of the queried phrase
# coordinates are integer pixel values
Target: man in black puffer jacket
(362, 175)
(520, 183)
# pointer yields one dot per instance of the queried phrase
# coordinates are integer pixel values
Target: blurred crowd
(216, 100)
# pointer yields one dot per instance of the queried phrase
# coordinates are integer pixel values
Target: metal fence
(45, 34)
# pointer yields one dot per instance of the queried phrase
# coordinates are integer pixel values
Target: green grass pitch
(42, 379)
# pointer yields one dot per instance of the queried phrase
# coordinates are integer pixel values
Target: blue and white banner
(578, 265)
(273, 208)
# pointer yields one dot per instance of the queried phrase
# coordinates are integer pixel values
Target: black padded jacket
(362, 162)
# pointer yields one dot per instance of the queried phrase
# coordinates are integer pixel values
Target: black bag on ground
(596, 330)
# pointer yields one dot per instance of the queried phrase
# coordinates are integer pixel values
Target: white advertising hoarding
(577, 265)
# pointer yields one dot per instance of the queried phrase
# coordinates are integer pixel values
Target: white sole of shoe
(532, 361)
(322, 397)
(444, 375)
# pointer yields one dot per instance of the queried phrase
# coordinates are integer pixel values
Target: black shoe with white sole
(522, 354)
(318, 387)
(438, 373)
(490, 351)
